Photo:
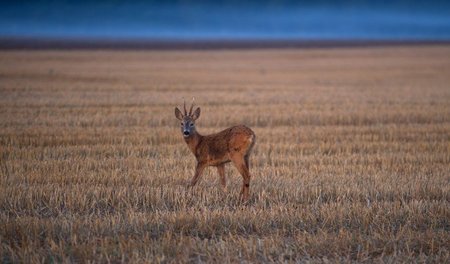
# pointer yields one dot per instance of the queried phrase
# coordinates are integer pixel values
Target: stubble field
(351, 162)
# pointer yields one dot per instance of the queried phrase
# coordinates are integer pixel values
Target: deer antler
(184, 106)
(192, 107)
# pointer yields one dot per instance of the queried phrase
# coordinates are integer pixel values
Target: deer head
(187, 119)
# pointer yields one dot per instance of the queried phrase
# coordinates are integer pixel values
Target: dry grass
(351, 161)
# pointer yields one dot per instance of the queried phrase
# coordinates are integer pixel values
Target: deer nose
(186, 133)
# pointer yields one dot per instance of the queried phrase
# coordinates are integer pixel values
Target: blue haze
(187, 20)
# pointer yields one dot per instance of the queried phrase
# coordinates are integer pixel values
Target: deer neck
(193, 141)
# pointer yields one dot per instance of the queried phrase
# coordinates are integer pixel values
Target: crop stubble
(351, 161)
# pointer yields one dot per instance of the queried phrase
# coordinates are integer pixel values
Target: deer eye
(181, 124)
(192, 124)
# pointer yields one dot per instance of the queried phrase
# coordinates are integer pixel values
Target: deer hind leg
(247, 162)
(198, 172)
(223, 180)
(241, 164)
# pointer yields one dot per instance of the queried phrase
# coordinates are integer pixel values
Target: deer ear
(178, 114)
(196, 113)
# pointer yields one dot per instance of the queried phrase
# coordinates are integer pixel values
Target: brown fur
(233, 144)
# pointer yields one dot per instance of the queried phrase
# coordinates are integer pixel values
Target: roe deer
(230, 145)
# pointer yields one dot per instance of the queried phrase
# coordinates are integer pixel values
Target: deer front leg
(223, 180)
(198, 173)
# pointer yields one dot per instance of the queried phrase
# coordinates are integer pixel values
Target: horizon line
(61, 43)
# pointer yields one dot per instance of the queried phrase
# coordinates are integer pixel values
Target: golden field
(351, 162)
